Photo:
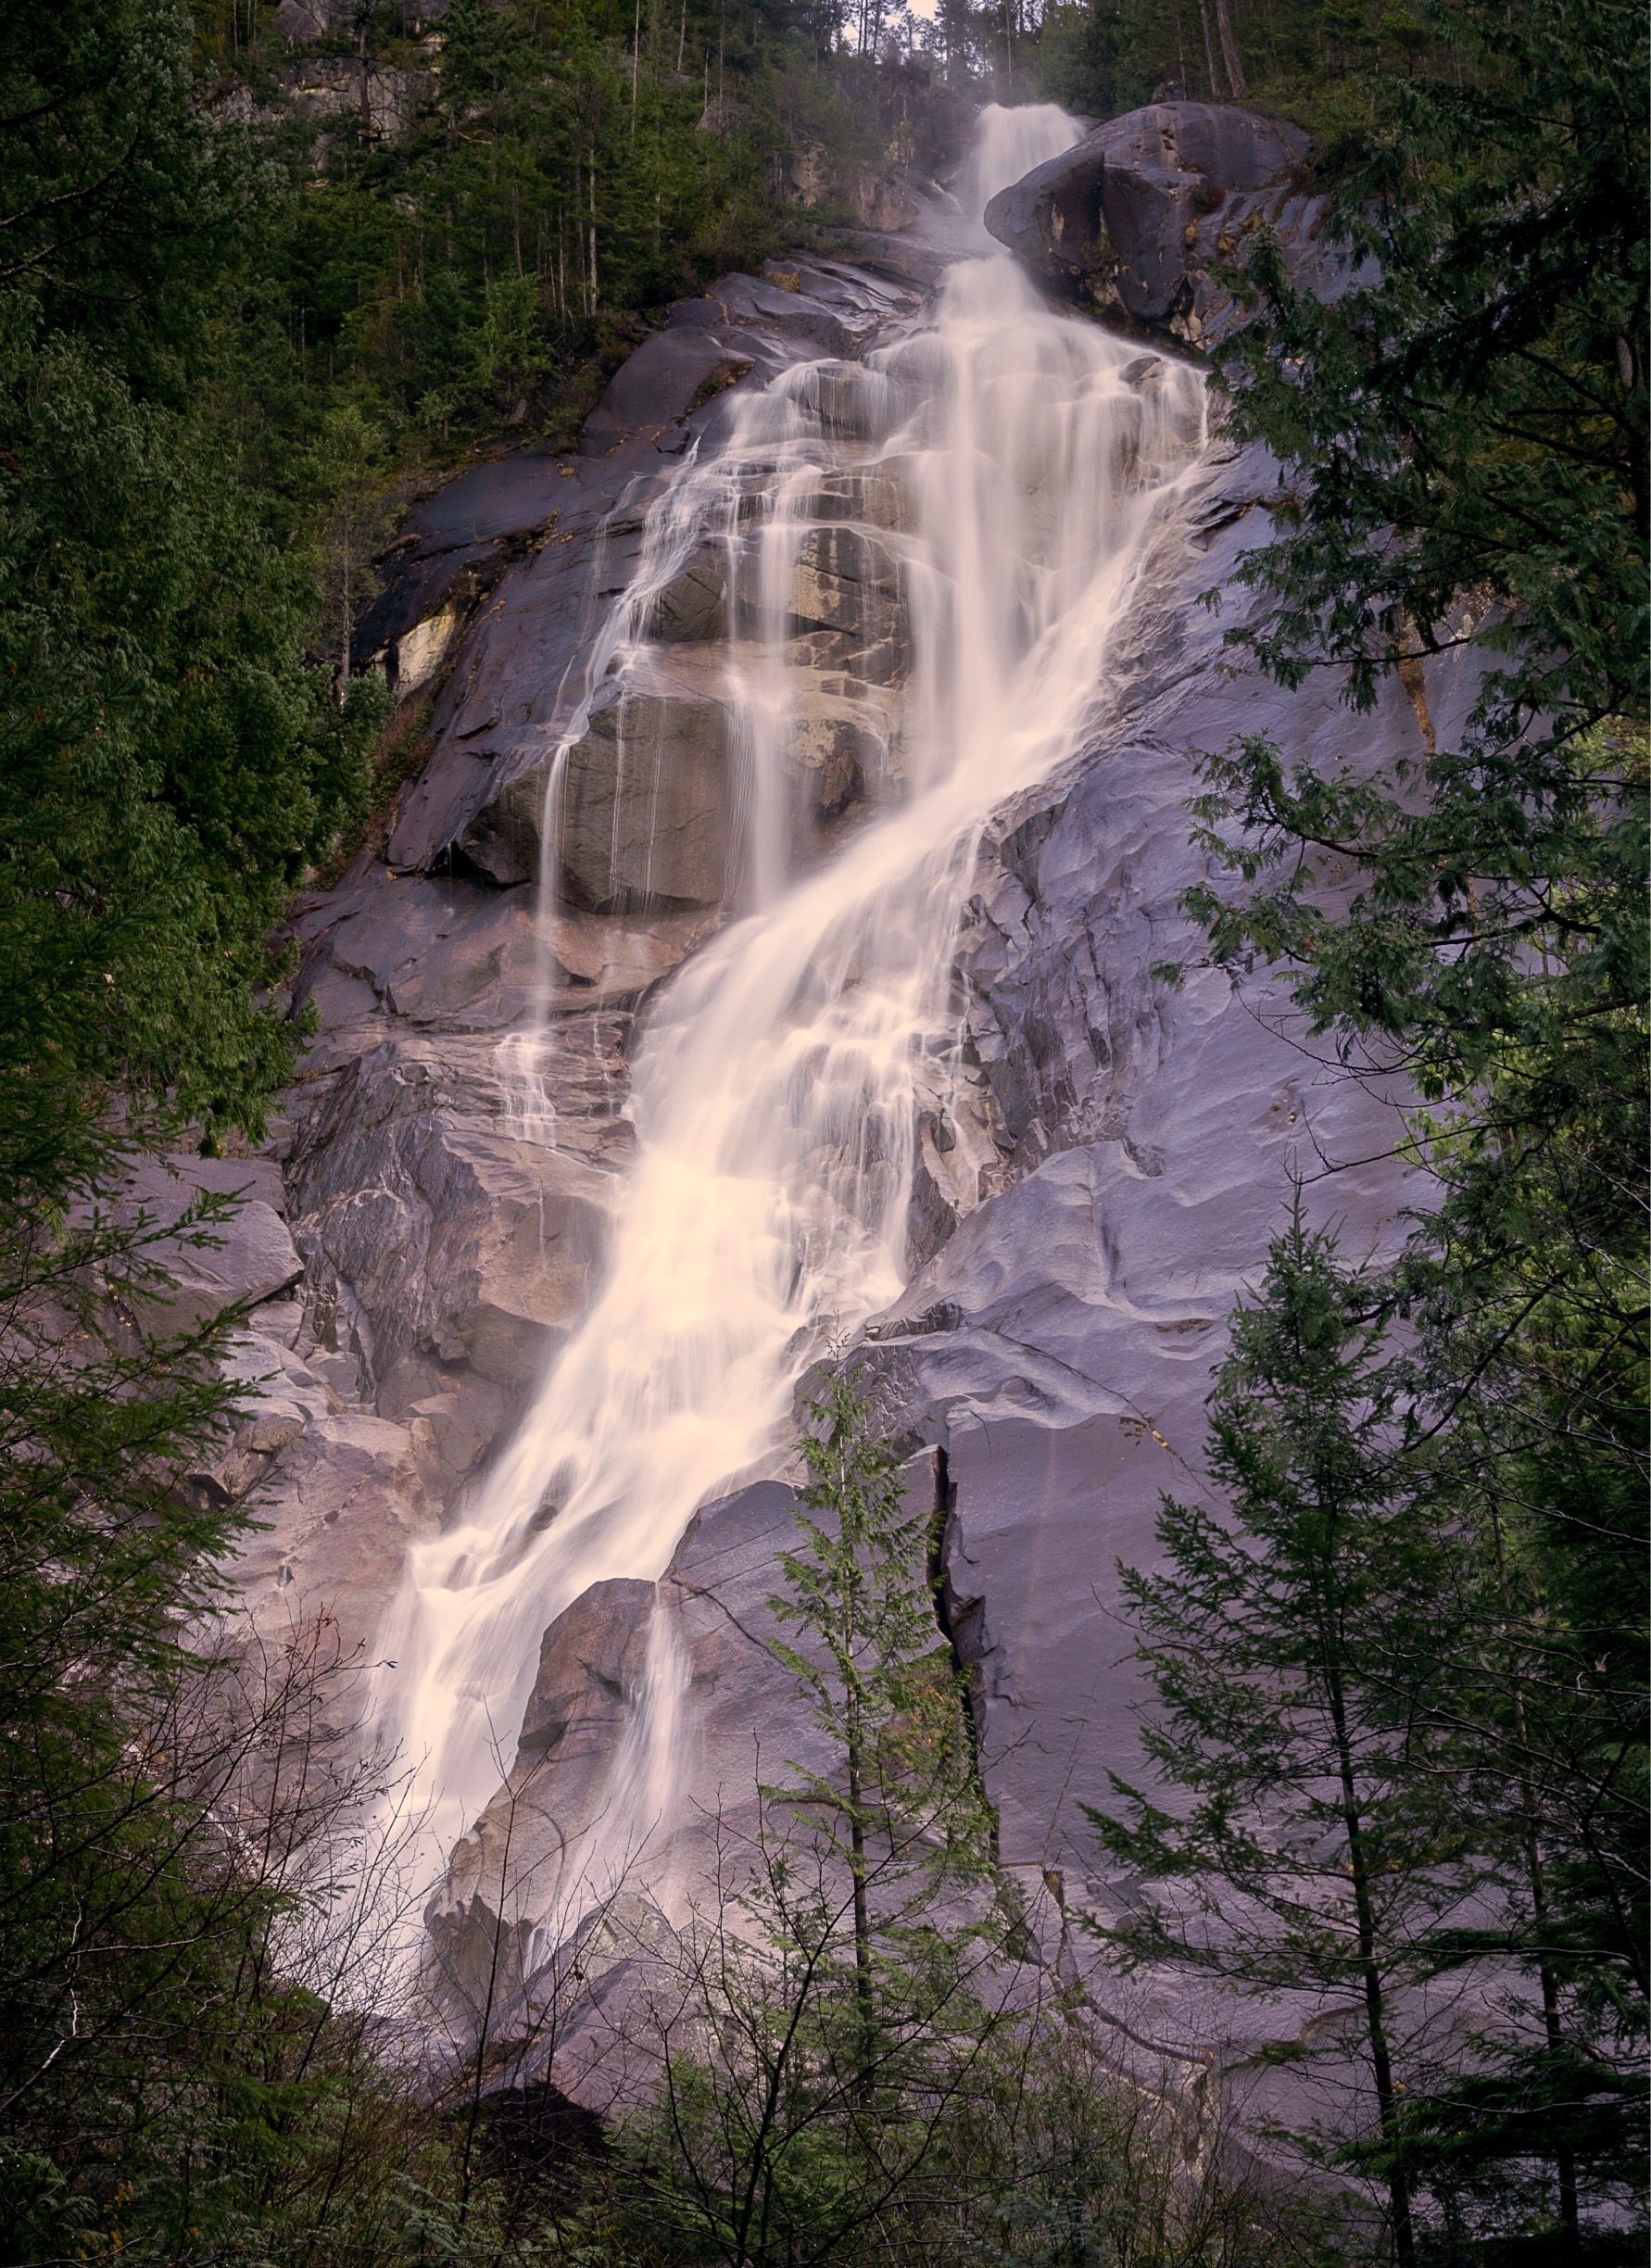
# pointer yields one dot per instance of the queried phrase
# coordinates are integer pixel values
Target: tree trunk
(1209, 49)
(1398, 2189)
(593, 226)
(344, 623)
(1565, 2164)
(1230, 53)
(862, 1973)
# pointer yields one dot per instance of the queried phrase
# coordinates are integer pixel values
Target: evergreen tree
(1463, 435)
(168, 759)
(902, 1790)
(1293, 1645)
(831, 2015)
(1359, 1717)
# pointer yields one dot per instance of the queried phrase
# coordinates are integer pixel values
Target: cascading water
(1007, 461)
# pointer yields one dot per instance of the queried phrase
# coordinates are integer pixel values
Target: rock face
(534, 549)
(647, 813)
(1135, 218)
(1098, 1173)
(441, 1181)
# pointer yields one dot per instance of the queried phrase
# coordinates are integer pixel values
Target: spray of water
(1007, 461)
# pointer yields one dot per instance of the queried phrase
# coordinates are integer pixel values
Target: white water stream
(774, 1092)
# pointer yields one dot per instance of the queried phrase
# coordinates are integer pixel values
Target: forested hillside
(268, 273)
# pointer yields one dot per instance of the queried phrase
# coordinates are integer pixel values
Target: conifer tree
(1363, 1720)
(832, 2010)
(1288, 1644)
(902, 1792)
(1464, 436)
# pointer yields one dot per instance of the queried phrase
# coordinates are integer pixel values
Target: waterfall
(1002, 463)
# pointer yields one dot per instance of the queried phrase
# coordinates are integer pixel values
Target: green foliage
(1296, 1646)
(1316, 61)
(553, 171)
(120, 200)
(1474, 416)
(828, 2016)
(182, 2075)
(1463, 436)
(884, 1690)
(1494, 946)
(168, 761)
(1391, 1741)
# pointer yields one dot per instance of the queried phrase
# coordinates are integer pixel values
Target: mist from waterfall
(1013, 457)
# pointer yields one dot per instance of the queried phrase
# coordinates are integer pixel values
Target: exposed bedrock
(507, 572)
(536, 1833)
(1137, 218)
(1099, 1178)
(651, 788)
(436, 1207)
(1101, 1161)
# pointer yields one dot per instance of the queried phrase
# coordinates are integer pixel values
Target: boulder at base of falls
(1136, 217)
(592, 1658)
(591, 1666)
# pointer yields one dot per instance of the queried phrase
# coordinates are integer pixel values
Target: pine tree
(1292, 1641)
(1463, 438)
(903, 1794)
(832, 2010)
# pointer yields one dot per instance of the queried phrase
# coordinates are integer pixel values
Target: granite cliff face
(1092, 1189)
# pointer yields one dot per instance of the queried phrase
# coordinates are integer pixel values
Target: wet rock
(530, 551)
(1058, 1338)
(693, 606)
(861, 302)
(416, 657)
(845, 580)
(435, 1233)
(342, 1502)
(668, 378)
(516, 1856)
(877, 496)
(591, 1659)
(834, 754)
(742, 302)
(646, 810)
(445, 955)
(1136, 216)
(459, 956)
(850, 658)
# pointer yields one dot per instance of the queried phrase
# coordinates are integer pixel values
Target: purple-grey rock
(1136, 216)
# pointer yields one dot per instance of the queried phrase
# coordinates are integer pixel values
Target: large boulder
(514, 1858)
(1137, 217)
